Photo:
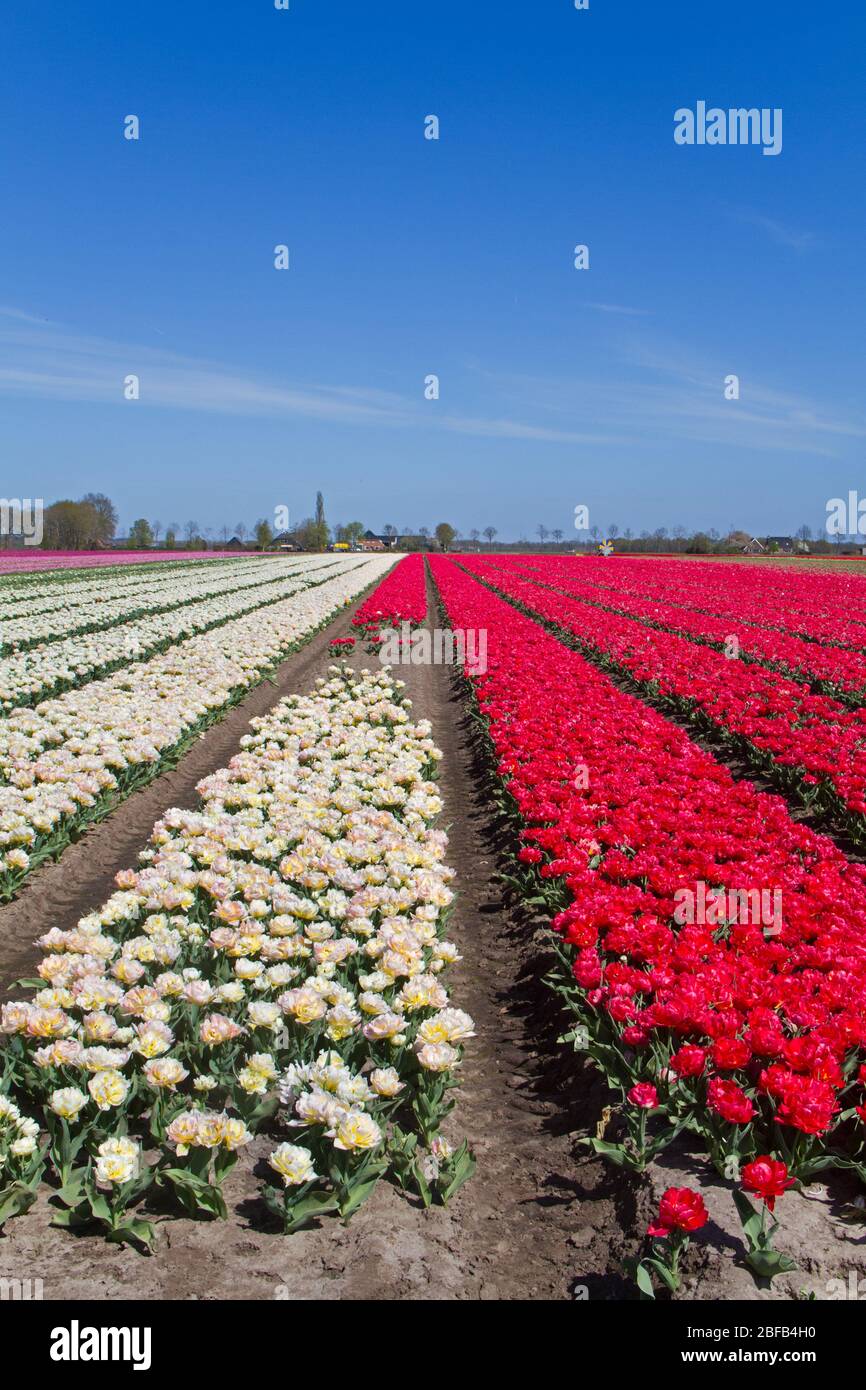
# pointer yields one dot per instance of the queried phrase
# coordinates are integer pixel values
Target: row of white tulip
(277, 960)
(45, 588)
(24, 628)
(63, 762)
(45, 670)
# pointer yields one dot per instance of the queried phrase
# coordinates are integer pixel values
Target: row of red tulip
(825, 607)
(818, 741)
(840, 672)
(400, 598)
(744, 1031)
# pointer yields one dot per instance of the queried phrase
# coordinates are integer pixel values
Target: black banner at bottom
(158, 1337)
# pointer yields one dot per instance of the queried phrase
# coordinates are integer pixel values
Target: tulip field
(139, 688)
(537, 975)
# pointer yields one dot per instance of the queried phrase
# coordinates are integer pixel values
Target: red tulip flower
(680, 1209)
(768, 1178)
(688, 1061)
(644, 1095)
(726, 1098)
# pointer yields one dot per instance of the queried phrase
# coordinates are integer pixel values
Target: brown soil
(540, 1219)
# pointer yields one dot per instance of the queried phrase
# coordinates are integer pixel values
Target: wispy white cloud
(662, 392)
(56, 363)
(618, 309)
(513, 429)
(7, 312)
(668, 392)
(780, 232)
(694, 390)
(61, 365)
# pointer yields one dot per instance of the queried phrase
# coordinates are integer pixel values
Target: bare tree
(225, 532)
(542, 533)
(241, 531)
(557, 535)
(156, 528)
(103, 513)
(191, 530)
(490, 533)
(613, 531)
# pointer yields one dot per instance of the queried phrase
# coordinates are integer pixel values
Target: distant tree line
(91, 523)
(83, 525)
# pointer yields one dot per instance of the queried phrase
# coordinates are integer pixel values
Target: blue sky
(410, 257)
